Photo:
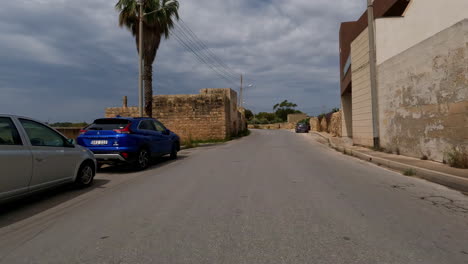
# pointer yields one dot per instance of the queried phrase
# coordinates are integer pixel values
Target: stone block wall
(294, 118)
(274, 126)
(423, 96)
(334, 127)
(314, 124)
(210, 115)
(323, 125)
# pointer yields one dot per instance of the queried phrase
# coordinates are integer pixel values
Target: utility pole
(373, 73)
(241, 88)
(140, 49)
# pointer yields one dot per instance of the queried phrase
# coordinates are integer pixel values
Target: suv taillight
(82, 131)
(125, 130)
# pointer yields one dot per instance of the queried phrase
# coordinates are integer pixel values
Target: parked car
(129, 140)
(302, 128)
(35, 157)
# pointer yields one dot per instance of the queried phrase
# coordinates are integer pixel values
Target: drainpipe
(373, 73)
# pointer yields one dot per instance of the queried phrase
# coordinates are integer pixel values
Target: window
(147, 125)
(41, 135)
(159, 126)
(8, 133)
(108, 124)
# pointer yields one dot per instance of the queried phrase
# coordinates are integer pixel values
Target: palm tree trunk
(148, 77)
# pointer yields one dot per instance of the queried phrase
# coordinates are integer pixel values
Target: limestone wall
(294, 118)
(334, 127)
(274, 126)
(314, 124)
(205, 116)
(423, 96)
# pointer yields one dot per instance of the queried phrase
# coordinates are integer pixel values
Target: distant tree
(68, 124)
(269, 117)
(284, 104)
(285, 108)
(248, 114)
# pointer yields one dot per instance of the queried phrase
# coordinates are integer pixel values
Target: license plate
(99, 142)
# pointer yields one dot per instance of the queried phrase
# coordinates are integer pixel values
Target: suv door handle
(39, 159)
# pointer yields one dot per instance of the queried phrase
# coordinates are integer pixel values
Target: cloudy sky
(66, 60)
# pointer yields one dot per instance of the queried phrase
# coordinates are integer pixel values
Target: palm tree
(156, 24)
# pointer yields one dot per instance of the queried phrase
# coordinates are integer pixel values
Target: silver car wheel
(86, 175)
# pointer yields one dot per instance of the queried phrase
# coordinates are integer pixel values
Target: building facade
(422, 77)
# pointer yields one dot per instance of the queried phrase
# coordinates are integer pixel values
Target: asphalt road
(272, 197)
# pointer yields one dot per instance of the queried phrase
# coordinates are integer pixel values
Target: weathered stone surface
(423, 96)
(334, 128)
(212, 114)
(274, 126)
(323, 125)
(314, 124)
(294, 118)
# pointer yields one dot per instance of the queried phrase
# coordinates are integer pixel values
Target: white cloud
(289, 49)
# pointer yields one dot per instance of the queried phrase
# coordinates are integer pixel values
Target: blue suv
(129, 140)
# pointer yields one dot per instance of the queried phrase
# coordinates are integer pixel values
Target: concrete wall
(294, 118)
(361, 93)
(423, 94)
(422, 19)
(208, 115)
(347, 115)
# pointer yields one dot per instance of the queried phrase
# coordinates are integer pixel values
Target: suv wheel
(143, 159)
(85, 175)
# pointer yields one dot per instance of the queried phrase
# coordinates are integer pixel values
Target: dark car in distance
(302, 128)
(132, 141)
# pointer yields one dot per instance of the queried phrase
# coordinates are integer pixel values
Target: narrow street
(272, 197)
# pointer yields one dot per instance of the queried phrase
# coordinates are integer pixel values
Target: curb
(454, 182)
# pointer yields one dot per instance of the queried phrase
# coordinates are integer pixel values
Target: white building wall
(361, 95)
(422, 20)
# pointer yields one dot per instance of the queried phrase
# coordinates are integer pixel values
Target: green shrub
(457, 158)
(409, 172)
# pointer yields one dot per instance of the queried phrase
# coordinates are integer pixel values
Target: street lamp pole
(140, 49)
(373, 73)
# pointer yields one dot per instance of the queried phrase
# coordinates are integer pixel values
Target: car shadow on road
(126, 169)
(29, 206)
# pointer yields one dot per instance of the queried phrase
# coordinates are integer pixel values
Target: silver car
(35, 157)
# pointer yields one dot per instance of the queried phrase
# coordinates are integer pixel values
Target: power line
(208, 50)
(187, 38)
(197, 48)
(202, 52)
(198, 56)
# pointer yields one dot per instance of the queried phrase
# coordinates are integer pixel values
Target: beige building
(422, 77)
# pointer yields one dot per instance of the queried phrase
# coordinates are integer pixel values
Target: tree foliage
(285, 108)
(280, 114)
(156, 24)
(248, 114)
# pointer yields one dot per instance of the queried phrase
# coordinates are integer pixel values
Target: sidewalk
(429, 170)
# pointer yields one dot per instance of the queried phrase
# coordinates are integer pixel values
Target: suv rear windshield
(108, 124)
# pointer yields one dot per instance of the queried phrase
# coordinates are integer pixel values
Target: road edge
(448, 180)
